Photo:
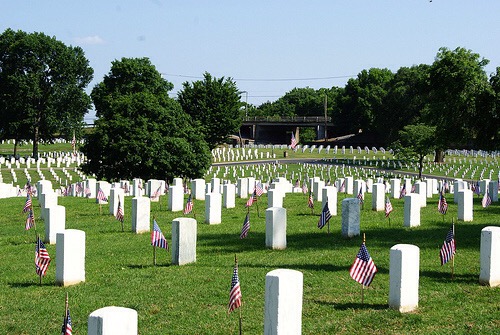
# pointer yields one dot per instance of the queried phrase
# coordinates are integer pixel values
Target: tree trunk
(35, 143)
(439, 156)
(420, 166)
(15, 147)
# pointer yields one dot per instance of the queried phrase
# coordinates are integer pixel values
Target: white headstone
(213, 208)
(116, 195)
(283, 302)
(243, 188)
(184, 232)
(276, 228)
(175, 198)
(329, 193)
(228, 196)
(458, 185)
(412, 210)
(378, 197)
(198, 189)
(215, 185)
(493, 190)
(350, 217)
(70, 257)
(465, 205)
(55, 222)
(141, 208)
(317, 189)
(395, 187)
(421, 190)
(274, 198)
(113, 320)
(404, 277)
(490, 256)
(349, 185)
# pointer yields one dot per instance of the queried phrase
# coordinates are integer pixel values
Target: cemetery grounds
(192, 299)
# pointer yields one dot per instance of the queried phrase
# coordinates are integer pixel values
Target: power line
(265, 79)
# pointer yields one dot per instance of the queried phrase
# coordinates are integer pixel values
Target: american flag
(486, 199)
(363, 269)
(119, 212)
(101, 197)
(293, 143)
(448, 249)
(67, 328)
(78, 188)
(252, 199)
(28, 204)
(246, 226)
(403, 191)
(477, 188)
(413, 187)
(297, 183)
(305, 189)
(235, 292)
(324, 217)
(342, 186)
(42, 258)
(259, 189)
(73, 142)
(360, 195)
(310, 201)
(157, 238)
(88, 192)
(388, 207)
(30, 221)
(442, 204)
(157, 193)
(189, 205)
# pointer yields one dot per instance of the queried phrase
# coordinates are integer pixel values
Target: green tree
(415, 142)
(361, 101)
(42, 87)
(141, 131)
(457, 81)
(215, 104)
(405, 102)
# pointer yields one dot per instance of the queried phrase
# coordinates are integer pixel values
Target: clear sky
(267, 47)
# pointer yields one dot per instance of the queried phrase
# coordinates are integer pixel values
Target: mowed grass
(192, 299)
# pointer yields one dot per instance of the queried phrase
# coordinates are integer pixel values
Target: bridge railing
(303, 119)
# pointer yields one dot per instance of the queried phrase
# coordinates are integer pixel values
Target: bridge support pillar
(320, 132)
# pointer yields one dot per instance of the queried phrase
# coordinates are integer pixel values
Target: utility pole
(326, 107)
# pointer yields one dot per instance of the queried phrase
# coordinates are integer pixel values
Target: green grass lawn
(192, 299)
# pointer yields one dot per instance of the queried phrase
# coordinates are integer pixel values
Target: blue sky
(267, 47)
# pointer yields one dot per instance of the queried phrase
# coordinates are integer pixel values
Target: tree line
(142, 132)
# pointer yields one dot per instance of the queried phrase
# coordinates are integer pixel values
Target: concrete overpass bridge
(280, 129)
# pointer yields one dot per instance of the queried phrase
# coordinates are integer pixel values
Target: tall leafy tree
(416, 141)
(215, 104)
(405, 102)
(361, 101)
(42, 87)
(141, 131)
(457, 80)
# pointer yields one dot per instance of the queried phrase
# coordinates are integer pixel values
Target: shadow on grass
(149, 266)
(30, 284)
(445, 277)
(355, 305)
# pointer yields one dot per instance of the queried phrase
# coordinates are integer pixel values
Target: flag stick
(258, 213)
(453, 258)
(362, 294)
(100, 208)
(328, 223)
(236, 265)
(65, 322)
(154, 255)
(389, 220)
